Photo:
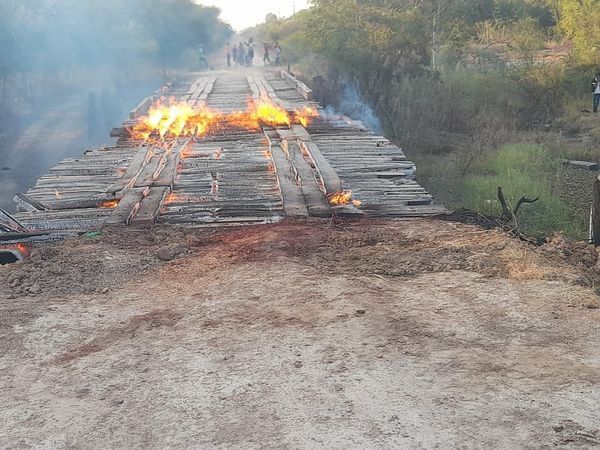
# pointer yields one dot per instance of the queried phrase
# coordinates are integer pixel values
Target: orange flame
(172, 198)
(342, 199)
(180, 198)
(23, 249)
(306, 115)
(172, 120)
(109, 204)
(264, 112)
(269, 113)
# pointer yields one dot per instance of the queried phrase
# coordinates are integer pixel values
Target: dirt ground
(414, 333)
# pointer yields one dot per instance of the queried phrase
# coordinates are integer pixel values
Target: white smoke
(353, 106)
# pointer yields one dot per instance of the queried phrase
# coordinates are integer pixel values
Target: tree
(580, 21)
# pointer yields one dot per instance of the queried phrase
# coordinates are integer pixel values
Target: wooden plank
(294, 204)
(76, 202)
(128, 204)
(317, 204)
(81, 219)
(321, 156)
(150, 205)
(26, 203)
(268, 93)
(302, 88)
(142, 156)
(169, 173)
(208, 88)
(253, 88)
(150, 171)
(331, 181)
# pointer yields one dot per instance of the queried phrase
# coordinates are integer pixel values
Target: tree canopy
(44, 35)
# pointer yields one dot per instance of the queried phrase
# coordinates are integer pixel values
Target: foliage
(580, 21)
(360, 35)
(47, 35)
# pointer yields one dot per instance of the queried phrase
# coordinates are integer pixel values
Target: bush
(484, 104)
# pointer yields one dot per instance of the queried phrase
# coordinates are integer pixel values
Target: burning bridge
(227, 148)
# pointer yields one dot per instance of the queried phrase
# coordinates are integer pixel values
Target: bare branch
(521, 201)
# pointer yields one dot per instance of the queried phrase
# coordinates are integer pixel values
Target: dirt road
(416, 333)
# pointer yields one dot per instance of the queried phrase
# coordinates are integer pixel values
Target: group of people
(242, 54)
(272, 50)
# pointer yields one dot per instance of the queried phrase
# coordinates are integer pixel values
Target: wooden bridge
(232, 175)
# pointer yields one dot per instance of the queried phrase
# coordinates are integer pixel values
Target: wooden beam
(317, 204)
(26, 203)
(331, 181)
(150, 205)
(302, 88)
(127, 207)
(294, 204)
(140, 159)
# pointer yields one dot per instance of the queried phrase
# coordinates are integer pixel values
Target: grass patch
(521, 170)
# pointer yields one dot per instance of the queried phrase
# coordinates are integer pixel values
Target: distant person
(596, 92)
(250, 53)
(202, 58)
(266, 58)
(228, 55)
(234, 51)
(241, 54)
(277, 54)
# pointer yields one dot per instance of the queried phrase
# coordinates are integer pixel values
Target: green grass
(521, 170)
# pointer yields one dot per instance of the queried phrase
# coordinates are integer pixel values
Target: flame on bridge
(112, 204)
(342, 199)
(306, 115)
(171, 119)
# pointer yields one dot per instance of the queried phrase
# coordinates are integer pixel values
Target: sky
(242, 14)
